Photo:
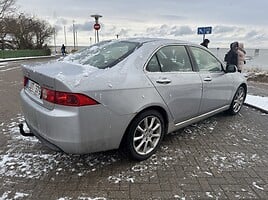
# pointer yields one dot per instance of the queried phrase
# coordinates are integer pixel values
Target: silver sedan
(128, 94)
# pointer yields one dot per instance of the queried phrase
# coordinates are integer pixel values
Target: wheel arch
(161, 110)
(244, 85)
(231, 109)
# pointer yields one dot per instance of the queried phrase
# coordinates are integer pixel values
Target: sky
(231, 20)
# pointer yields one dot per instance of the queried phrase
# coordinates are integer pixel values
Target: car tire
(144, 135)
(238, 101)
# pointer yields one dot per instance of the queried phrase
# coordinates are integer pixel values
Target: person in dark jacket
(231, 58)
(205, 43)
(63, 52)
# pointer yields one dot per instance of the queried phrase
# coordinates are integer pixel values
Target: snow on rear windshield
(104, 54)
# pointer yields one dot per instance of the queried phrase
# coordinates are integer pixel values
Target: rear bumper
(30, 134)
(75, 130)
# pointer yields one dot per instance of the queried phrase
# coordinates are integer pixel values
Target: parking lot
(223, 157)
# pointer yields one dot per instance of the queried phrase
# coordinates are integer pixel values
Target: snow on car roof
(160, 40)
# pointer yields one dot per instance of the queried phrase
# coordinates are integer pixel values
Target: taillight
(48, 95)
(66, 98)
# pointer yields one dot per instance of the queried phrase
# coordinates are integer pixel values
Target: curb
(27, 58)
(256, 107)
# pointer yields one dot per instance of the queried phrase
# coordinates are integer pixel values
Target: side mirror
(231, 68)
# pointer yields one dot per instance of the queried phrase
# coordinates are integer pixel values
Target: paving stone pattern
(223, 157)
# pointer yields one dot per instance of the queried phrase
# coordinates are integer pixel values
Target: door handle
(163, 81)
(208, 79)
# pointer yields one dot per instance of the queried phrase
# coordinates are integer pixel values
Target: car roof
(160, 41)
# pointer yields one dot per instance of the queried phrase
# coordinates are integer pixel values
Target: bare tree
(21, 31)
(42, 32)
(6, 6)
(28, 32)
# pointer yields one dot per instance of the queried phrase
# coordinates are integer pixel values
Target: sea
(256, 59)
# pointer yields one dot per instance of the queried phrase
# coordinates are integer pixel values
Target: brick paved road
(223, 157)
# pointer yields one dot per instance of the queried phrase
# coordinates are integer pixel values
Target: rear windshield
(104, 54)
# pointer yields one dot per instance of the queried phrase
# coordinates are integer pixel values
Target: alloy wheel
(239, 99)
(147, 135)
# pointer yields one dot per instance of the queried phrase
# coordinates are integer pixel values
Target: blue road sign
(204, 30)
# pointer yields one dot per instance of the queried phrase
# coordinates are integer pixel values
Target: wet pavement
(223, 157)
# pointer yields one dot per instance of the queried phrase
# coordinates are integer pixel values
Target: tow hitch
(23, 132)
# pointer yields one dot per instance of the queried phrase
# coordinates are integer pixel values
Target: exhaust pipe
(22, 132)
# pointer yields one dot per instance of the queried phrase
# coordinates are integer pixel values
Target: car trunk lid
(59, 76)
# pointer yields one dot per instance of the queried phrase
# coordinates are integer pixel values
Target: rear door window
(170, 59)
(153, 65)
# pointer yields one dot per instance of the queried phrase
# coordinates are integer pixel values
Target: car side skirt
(198, 118)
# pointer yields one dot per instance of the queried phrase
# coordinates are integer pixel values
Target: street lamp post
(76, 39)
(74, 34)
(96, 26)
(65, 40)
(55, 46)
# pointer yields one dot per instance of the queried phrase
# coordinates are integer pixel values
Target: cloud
(252, 34)
(123, 33)
(172, 17)
(109, 30)
(182, 30)
(223, 29)
(61, 21)
(58, 28)
(87, 26)
(255, 35)
(166, 30)
(227, 29)
(158, 31)
(113, 31)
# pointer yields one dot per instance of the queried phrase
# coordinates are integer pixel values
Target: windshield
(104, 54)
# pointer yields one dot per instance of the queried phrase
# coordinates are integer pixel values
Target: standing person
(63, 52)
(231, 58)
(205, 43)
(241, 53)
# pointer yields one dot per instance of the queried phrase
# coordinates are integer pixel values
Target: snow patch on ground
(18, 195)
(26, 165)
(82, 198)
(209, 195)
(3, 63)
(223, 161)
(257, 101)
(26, 157)
(256, 186)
